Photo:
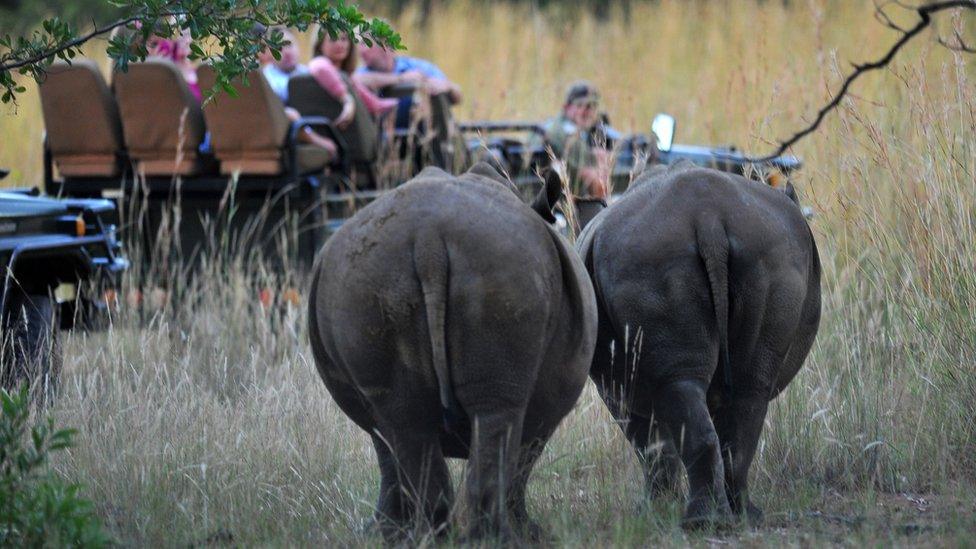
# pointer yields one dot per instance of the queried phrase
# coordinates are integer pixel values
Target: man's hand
(437, 86)
(595, 182)
(596, 178)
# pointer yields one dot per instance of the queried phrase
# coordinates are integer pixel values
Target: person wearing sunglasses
(574, 137)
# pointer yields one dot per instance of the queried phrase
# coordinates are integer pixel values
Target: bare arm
(377, 80)
(348, 111)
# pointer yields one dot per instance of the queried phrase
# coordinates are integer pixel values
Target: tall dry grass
(206, 419)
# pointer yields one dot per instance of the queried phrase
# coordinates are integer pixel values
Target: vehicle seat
(448, 147)
(161, 119)
(249, 132)
(361, 137)
(84, 132)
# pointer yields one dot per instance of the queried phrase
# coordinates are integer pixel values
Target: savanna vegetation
(201, 418)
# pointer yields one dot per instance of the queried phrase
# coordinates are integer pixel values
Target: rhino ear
(549, 195)
(784, 185)
(790, 191)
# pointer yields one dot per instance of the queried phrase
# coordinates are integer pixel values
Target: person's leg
(374, 104)
(311, 137)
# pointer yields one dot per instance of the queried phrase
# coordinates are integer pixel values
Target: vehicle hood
(15, 205)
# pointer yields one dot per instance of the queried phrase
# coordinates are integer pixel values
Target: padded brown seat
(161, 119)
(448, 147)
(443, 144)
(84, 133)
(361, 137)
(249, 133)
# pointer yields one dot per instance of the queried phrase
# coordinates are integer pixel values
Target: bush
(36, 507)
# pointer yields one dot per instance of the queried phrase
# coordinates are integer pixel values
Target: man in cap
(578, 139)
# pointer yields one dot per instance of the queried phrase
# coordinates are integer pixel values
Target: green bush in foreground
(37, 508)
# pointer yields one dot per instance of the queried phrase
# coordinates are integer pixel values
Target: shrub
(36, 507)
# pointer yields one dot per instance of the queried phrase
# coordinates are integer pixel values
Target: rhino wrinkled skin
(445, 313)
(708, 292)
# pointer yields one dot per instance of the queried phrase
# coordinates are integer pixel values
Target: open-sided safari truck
(187, 179)
(520, 149)
(61, 265)
(233, 175)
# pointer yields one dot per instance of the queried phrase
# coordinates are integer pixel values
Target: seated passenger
(278, 71)
(575, 137)
(333, 58)
(383, 68)
(177, 50)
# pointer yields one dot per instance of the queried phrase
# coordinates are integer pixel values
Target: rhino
(708, 291)
(449, 319)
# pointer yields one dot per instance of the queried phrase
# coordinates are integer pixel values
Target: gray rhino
(449, 319)
(708, 291)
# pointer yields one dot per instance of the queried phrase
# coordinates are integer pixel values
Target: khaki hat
(582, 91)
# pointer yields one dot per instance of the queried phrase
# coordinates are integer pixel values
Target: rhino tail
(713, 247)
(433, 269)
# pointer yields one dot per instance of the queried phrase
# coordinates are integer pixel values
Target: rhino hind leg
(516, 495)
(657, 454)
(655, 450)
(684, 414)
(391, 514)
(739, 425)
(757, 375)
(492, 467)
(415, 485)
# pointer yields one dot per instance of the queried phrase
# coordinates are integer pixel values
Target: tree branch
(925, 13)
(882, 17)
(71, 44)
(960, 44)
(79, 40)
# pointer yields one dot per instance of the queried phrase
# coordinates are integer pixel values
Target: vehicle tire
(31, 349)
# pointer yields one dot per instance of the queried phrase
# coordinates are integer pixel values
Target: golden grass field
(205, 422)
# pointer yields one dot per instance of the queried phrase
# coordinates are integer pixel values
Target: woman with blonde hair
(333, 57)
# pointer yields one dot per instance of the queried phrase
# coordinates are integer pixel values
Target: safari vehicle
(232, 173)
(61, 263)
(510, 145)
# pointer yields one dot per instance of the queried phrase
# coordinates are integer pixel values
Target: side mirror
(663, 128)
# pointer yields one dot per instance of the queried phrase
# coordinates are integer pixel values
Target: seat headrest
(253, 121)
(159, 113)
(80, 114)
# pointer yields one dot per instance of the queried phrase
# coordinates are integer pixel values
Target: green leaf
(225, 23)
(227, 87)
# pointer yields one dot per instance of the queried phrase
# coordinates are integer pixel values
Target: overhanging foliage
(227, 34)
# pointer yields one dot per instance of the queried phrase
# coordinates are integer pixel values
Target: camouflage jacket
(571, 146)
